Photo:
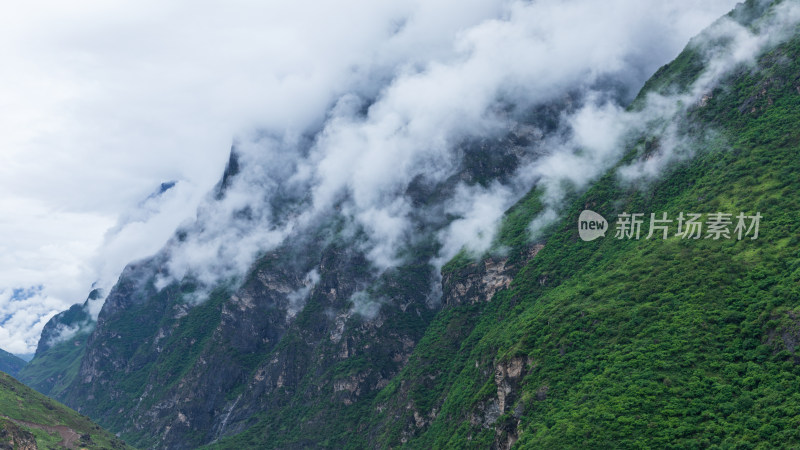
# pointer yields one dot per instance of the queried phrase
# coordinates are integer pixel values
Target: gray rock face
(312, 331)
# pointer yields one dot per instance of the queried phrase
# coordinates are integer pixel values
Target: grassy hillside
(27, 417)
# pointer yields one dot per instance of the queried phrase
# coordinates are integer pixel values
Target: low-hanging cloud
(334, 106)
(598, 132)
(381, 135)
(725, 46)
(23, 314)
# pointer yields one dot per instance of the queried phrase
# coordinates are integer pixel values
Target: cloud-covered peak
(345, 105)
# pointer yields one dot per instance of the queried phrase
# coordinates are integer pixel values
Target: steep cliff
(305, 340)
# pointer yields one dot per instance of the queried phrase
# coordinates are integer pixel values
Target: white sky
(101, 101)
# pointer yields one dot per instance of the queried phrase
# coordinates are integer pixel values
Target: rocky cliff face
(405, 413)
(309, 336)
(480, 281)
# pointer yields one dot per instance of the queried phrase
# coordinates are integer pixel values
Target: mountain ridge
(10, 363)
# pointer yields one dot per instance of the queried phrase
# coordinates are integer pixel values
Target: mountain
(629, 343)
(11, 364)
(60, 349)
(167, 370)
(29, 420)
(544, 340)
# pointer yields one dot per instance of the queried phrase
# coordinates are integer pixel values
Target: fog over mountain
(328, 107)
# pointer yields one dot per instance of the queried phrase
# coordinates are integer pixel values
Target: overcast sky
(102, 101)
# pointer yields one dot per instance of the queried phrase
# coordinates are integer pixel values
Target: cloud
(365, 305)
(384, 133)
(725, 46)
(599, 133)
(478, 213)
(24, 312)
(298, 298)
(339, 104)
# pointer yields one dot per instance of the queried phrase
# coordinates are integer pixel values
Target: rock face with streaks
(311, 330)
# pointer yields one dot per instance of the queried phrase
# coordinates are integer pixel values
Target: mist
(383, 133)
(330, 107)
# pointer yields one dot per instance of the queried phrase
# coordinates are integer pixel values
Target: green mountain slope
(60, 349)
(31, 420)
(637, 343)
(617, 343)
(11, 364)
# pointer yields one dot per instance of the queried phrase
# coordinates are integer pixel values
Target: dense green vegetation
(664, 343)
(26, 413)
(638, 343)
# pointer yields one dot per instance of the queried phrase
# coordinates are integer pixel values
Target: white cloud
(22, 318)
(101, 102)
(725, 46)
(478, 213)
(298, 298)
